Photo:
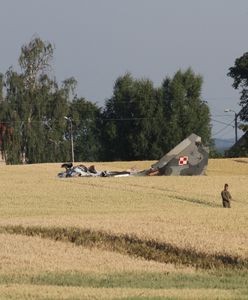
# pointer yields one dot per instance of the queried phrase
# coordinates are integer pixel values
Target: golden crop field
(123, 238)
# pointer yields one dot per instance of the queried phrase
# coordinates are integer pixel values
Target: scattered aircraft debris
(83, 171)
(189, 157)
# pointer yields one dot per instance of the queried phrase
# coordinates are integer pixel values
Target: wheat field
(183, 212)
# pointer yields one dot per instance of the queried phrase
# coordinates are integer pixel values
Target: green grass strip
(137, 280)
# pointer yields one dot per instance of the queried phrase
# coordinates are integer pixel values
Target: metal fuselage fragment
(188, 158)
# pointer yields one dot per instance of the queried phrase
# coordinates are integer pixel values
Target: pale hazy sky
(98, 40)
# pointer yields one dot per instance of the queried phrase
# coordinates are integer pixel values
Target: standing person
(226, 197)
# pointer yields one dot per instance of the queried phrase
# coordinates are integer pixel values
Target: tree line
(138, 122)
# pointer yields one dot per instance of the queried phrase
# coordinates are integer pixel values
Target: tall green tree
(184, 110)
(57, 107)
(13, 146)
(239, 74)
(1, 87)
(86, 130)
(35, 107)
(35, 60)
(132, 120)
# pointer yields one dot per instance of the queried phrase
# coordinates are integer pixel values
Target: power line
(220, 122)
(222, 129)
(45, 122)
(167, 99)
(134, 100)
(221, 116)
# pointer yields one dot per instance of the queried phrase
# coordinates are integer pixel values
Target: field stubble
(185, 212)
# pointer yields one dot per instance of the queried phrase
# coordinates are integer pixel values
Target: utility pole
(236, 127)
(235, 122)
(69, 119)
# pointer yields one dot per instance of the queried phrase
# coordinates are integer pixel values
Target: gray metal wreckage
(188, 158)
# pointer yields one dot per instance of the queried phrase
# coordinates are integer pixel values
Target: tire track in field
(131, 245)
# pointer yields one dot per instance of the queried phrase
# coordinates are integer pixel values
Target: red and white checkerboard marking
(183, 160)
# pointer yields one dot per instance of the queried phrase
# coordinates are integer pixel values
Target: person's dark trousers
(226, 204)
